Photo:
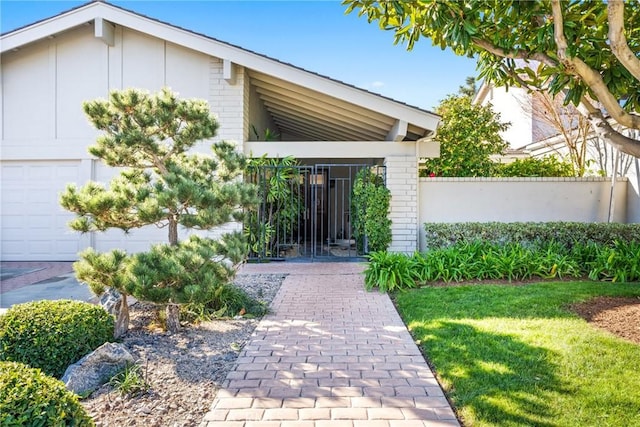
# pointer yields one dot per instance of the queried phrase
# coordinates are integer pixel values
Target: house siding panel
(28, 95)
(43, 87)
(143, 61)
(81, 75)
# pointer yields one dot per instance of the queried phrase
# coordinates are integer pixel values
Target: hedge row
(567, 234)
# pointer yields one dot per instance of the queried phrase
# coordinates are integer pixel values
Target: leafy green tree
(275, 221)
(164, 184)
(586, 50)
(469, 135)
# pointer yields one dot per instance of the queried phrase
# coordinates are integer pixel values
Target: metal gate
(304, 212)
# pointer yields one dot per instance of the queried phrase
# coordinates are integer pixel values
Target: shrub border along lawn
(480, 260)
(516, 355)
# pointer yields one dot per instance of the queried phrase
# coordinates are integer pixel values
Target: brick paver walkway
(330, 354)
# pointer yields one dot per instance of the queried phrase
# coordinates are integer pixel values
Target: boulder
(96, 368)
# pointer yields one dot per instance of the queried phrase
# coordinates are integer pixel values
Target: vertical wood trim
(53, 87)
(115, 62)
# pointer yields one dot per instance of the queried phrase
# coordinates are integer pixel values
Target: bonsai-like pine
(164, 184)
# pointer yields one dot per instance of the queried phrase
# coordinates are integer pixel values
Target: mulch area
(620, 316)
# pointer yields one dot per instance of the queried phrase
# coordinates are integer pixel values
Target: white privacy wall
(519, 199)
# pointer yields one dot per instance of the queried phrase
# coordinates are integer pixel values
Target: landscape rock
(96, 368)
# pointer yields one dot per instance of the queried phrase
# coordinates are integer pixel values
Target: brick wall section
(402, 181)
(228, 103)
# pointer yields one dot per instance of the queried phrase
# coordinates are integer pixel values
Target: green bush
(548, 166)
(620, 263)
(28, 397)
(566, 234)
(51, 335)
(370, 204)
(228, 301)
(388, 271)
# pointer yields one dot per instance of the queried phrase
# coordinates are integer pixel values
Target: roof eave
(199, 42)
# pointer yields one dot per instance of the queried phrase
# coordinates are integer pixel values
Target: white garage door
(33, 225)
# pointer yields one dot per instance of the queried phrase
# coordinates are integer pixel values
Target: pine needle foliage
(163, 183)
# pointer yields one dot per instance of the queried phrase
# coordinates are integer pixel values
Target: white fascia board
(277, 69)
(482, 94)
(43, 29)
(221, 50)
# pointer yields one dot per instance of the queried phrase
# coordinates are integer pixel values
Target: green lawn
(515, 356)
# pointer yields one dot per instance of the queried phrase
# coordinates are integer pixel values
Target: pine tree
(162, 183)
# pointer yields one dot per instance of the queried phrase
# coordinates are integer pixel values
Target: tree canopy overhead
(589, 50)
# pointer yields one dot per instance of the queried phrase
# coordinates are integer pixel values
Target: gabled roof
(338, 111)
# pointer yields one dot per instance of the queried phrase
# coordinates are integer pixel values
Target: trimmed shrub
(30, 398)
(51, 335)
(549, 166)
(566, 234)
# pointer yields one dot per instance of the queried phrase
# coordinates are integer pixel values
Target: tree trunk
(122, 319)
(606, 132)
(616, 139)
(173, 231)
(173, 317)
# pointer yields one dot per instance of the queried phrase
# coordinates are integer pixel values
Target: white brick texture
(402, 181)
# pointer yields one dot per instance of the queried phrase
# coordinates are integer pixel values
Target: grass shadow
(508, 379)
(514, 356)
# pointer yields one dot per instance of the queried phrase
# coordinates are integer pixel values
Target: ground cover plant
(480, 260)
(517, 355)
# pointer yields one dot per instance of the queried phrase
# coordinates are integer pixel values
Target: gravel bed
(184, 370)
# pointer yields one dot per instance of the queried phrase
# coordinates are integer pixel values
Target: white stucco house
(50, 67)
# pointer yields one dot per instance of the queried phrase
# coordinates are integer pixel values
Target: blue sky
(315, 35)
